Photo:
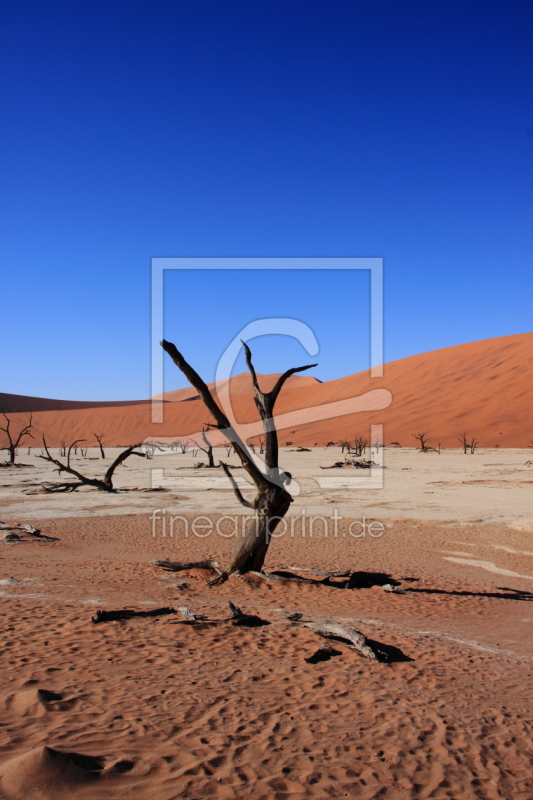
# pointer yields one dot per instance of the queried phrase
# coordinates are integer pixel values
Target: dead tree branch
(105, 485)
(332, 630)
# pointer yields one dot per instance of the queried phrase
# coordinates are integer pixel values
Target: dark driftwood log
(249, 620)
(336, 573)
(128, 613)
(180, 566)
(323, 653)
(287, 577)
(333, 630)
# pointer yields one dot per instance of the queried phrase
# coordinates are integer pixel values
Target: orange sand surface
(159, 708)
(483, 388)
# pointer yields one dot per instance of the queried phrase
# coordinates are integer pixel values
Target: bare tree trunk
(100, 438)
(272, 501)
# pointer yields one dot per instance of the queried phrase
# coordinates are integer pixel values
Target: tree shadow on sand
(504, 594)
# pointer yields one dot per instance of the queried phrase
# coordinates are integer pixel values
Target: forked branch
(105, 485)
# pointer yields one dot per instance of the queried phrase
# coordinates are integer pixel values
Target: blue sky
(281, 128)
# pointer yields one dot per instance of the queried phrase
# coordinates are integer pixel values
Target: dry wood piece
(336, 573)
(333, 630)
(352, 462)
(294, 617)
(388, 587)
(188, 615)
(287, 577)
(249, 620)
(323, 653)
(180, 566)
(128, 613)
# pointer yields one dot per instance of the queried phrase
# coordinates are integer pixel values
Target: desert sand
(437, 551)
(157, 707)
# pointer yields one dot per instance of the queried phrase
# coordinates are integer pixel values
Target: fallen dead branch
(336, 573)
(249, 620)
(189, 616)
(180, 566)
(104, 485)
(352, 462)
(323, 653)
(333, 630)
(22, 533)
(128, 613)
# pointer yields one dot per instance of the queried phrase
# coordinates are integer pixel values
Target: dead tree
(183, 444)
(208, 449)
(359, 446)
(468, 445)
(422, 439)
(272, 500)
(14, 440)
(104, 485)
(99, 438)
(464, 441)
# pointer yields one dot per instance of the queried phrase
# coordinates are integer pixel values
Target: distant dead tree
(104, 485)
(344, 445)
(422, 439)
(464, 441)
(63, 448)
(359, 446)
(14, 440)
(229, 449)
(261, 446)
(99, 438)
(468, 445)
(272, 500)
(208, 449)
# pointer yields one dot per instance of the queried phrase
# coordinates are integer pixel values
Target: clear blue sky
(248, 128)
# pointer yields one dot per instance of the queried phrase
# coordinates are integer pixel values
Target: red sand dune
(483, 388)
